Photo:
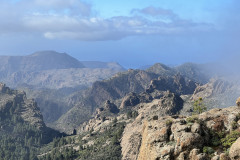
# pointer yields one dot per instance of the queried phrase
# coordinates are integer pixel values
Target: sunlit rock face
(179, 137)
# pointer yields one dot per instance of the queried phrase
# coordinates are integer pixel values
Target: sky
(133, 33)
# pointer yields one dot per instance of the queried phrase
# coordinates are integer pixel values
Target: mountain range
(98, 110)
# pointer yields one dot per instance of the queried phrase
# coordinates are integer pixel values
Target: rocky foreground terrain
(153, 130)
(149, 126)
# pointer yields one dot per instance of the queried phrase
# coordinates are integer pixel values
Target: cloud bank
(75, 19)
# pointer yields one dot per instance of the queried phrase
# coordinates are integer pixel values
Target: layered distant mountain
(50, 77)
(50, 69)
(97, 64)
(39, 61)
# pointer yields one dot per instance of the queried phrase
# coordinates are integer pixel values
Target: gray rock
(234, 152)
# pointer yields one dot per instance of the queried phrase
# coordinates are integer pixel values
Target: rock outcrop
(134, 99)
(234, 152)
(108, 109)
(170, 103)
(176, 84)
(13, 100)
(180, 137)
(238, 102)
(214, 87)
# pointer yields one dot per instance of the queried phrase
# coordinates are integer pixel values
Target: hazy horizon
(128, 32)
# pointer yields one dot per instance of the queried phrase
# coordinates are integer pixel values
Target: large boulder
(238, 102)
(170, 103)
(234, 152)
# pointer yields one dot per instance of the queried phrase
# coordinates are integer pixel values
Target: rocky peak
(133, 99)
(214, 87)
(3, 88)
(13, 100)
(176, 84)
(238, 102)
(161, 69)
(170, 103)
(108, 108)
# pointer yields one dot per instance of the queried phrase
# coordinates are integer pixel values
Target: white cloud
(61, 19)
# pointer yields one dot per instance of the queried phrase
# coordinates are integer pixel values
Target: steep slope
(217, 93)
(200, 73)
(22, 130)
(12, 100)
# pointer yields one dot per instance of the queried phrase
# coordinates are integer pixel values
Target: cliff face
(16, 102)
(22, 130)
(182, 138)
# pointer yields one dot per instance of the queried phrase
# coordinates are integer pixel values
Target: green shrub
(230, 139)
(215, 137)
(168, 122)
(132, 114)
(215, 141)
(192, 119)
(208, 150)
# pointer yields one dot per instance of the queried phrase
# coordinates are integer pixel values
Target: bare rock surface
(175, 137)
(234, 152)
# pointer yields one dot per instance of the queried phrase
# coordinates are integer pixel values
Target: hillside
(22, 128)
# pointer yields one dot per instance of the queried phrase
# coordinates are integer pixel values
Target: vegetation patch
(98, 146)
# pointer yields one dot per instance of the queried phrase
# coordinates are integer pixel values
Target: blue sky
(132, 32)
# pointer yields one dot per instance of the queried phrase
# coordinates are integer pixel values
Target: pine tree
(198, 106)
